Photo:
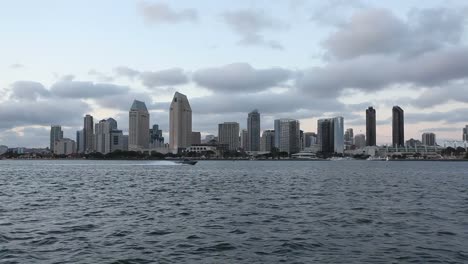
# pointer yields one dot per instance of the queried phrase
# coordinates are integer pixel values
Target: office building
(118, 141)
(310, 138)
(398, 127)
(267, 142)
(88, 134)
(228, 134)
(102, 137)
(371, 127)
(196, 138)
(156, 137)
(64, 146)
(244, 139)
(349, 138)
(180, 123)
(80, 147)
(56, 134)
(138, 128)
(287, 135)
(429, 139)
(253, 128)
(331, 135)
(465, 133)
(360, 141)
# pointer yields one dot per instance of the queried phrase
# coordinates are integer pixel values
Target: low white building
(201, 148)
(64, 146)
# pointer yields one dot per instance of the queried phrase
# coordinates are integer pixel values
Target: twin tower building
(180, 125)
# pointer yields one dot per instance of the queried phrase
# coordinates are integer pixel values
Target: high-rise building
(244, 139)
(371, 127)
(360, 141)
(349, 137)
(156, 137)
(80, 141)
(287, 135)
(88, 134)
(118, 141)
(64, 146)
(180, 123)
(196, 138)
(398, 127)
(228, 134)
(465, 133)
(331, 135)
(138, 128)
(253, 128)
(310, 138)
(267, 142)
(56, 134)
(102, 135)
(428, 139)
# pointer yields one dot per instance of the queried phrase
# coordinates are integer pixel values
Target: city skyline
(411, 54)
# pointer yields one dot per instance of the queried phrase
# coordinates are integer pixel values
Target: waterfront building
(349, 138)
(208, 139)
(156, 137)
(80, 147)
(118, 141)
(267, 142)
(428, 139)
(3, 149)
(310, 138)
(244, 139)
(287, 135)
(331, 135)
(465, 133)
(88, 134)
(102, 135)
(398, 127)
(253, 128)
(360, 141)
(371, 127)
(196, 138)
(413, 143)
(64, 146)
(180, 123)
(56, 134)
(228, 134)
(138, 127)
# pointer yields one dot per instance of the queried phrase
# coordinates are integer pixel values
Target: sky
(302, 59)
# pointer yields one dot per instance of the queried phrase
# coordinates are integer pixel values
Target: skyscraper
(349, 137)
(180, 122)
(310, 138)
(244, 139)
(267, 142)
(102, 135)
(80, 141)
(428, 139)
(88, 134)
(287, 135)
(371, 127)
(156, 137)
(56, 134)
(331, 135)
(325, 136)
(398, 127)
(138, 128)
(465, 133)
(253, 128)
(228, 134)
(360, 141)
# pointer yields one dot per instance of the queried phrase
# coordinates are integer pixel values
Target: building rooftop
(138, 106)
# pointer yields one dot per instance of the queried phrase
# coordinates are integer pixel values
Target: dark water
(233, 212)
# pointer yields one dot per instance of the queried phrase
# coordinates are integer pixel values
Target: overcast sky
(303, 59)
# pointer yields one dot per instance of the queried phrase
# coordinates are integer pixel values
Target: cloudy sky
(302, 59)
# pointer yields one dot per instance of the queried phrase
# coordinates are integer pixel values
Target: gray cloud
(174, 76)
(161, 13)
(102, 77)
(250, 24)
(75, 89)
(16, 66)
(453, 116)
(440, 95)
(126, 72)
(27, 90)
(240, 77)
(379, 31)
(372, 73)
(46, 113)
(334, 12)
